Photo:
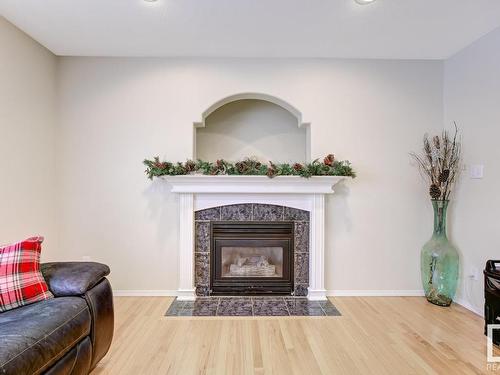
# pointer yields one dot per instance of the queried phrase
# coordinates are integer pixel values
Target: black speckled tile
(301, 236)
(237, 212)
(304, 307)
(235, 306)
(301, 290)
(204, 307)
(294, 214)
(175, 308)
(267, 212)
(202, 290)
(208, 214)
(202, 236)
(329, 308)
(301, 268)
(201, 268)
(270, 307)
(252, 306)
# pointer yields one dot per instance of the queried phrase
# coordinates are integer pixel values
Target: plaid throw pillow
(21, 281)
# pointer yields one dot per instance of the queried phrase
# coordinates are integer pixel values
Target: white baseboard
(145, 293)
(375, 293)
(396, 293)
(469, 307)
(337, 293)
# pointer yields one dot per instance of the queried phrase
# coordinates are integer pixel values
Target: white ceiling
(396, 29)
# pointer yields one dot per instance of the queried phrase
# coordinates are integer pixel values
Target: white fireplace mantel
(253, 184)
(198, 192)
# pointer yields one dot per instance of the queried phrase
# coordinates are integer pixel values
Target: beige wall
(472, 98)
(252, 128)
(114, 112)
(27, 124)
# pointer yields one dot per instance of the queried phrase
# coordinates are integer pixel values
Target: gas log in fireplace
(251, 258)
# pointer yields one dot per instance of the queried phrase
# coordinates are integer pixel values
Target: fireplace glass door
(252, 261)
(251, 258)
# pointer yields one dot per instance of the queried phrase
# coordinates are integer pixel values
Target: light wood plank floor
(375, 335)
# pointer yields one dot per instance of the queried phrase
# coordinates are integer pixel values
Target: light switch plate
(477, 171)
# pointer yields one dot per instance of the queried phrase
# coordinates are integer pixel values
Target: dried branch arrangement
(439, 163)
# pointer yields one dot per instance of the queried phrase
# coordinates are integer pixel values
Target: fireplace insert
(251, 258)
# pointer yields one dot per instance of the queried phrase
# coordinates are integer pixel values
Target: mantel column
(186, 247)
(317, 291)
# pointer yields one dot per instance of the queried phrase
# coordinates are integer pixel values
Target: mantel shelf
(252, 184)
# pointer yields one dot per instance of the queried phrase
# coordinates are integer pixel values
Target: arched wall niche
(252, 124)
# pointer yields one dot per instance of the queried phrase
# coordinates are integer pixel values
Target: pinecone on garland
(157, 163)
(444, 175)
(435, 191)
(271, 170)
(329, 159)
(190, 166)
(298, 167)
(240, 167)
(218, 168)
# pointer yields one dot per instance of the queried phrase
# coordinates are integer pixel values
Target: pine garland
(251, 167)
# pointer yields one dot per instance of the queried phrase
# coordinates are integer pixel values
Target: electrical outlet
(474, 273)
(477, 171)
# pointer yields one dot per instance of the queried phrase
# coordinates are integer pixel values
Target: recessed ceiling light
(364, 2)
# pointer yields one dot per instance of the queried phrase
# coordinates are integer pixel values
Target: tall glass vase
(439, 261)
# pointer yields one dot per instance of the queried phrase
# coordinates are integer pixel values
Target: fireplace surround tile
(202, 290)
(295, 214)
(267, 212)
(300, 290)
(237, 212)
(202, 265)
(208, 214)
(302, 268)
(202, 239)
(301, 237)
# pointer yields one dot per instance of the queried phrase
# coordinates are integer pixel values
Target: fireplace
(252, 258)
(203, 199)
(251, 249)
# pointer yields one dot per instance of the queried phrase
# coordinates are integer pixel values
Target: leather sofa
(68, 334)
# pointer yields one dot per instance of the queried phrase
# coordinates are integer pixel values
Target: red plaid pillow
(21, 281)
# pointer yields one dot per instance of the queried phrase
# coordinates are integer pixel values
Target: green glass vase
(439, 261)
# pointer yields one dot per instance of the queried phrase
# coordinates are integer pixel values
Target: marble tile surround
(252, 212)
(252, 306)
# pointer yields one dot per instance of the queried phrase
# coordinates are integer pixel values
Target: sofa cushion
(34, 337)
(21, 281)
(73, 278)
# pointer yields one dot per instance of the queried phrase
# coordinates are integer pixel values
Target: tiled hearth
(252, 306)
(252, 212)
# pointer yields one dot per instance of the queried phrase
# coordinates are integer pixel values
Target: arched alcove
(252, 125)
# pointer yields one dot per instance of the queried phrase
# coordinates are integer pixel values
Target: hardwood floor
(375, 335)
